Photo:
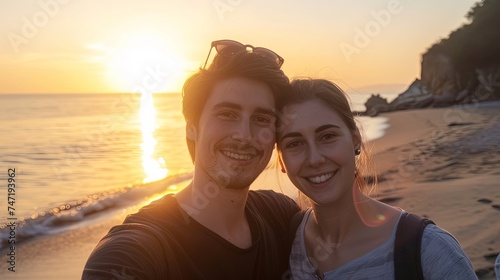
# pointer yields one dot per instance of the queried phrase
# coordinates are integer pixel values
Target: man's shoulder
(155, 223)
(269, 199)
(160, 206)
(167, 200)
(268, 195)
(159, 213)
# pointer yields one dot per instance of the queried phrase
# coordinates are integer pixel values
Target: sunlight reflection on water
(153, 168)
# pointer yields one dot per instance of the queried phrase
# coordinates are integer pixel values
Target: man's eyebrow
(260, 110)
(227, 105)
(325, 127)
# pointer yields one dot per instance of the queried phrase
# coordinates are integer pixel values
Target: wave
(74, 213)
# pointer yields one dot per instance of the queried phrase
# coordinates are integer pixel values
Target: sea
(68, 158)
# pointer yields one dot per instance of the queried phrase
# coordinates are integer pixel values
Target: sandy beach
(445, 164)
(440, 163)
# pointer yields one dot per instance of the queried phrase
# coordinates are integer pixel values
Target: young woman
(346, 234)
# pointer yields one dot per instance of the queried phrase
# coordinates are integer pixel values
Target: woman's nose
(314, 156)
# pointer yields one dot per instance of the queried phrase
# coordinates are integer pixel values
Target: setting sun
(143, 63)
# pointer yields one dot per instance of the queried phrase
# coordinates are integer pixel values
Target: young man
(215, 228)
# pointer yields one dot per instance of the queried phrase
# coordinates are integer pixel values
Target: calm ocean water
(76, 155)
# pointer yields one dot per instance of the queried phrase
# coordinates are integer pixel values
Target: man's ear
(191, 131)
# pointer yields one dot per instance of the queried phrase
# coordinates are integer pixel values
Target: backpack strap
(407, 262)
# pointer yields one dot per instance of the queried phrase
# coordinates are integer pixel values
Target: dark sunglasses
(228, 48)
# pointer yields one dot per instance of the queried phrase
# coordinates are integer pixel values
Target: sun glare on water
(153, 168)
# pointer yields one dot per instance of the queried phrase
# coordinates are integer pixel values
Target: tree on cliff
(477, 44)
(468, 61)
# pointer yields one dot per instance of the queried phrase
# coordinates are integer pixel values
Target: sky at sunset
(102, 46)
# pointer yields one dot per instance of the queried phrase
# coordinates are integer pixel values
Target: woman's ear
(191, 131)
(281, 164)
(356, 139)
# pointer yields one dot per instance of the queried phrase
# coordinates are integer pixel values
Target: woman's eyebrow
(317, 130)
(325, 127)
(291, 134)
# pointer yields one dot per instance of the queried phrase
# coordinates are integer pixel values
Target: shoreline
(58, 256)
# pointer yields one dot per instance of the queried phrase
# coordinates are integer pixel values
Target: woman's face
(317, 151)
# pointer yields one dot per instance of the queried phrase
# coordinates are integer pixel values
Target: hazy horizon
(64, 46)
(387, 89)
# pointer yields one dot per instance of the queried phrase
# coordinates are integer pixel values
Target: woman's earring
(357, 152)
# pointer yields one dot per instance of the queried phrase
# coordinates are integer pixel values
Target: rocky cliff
(463, 68)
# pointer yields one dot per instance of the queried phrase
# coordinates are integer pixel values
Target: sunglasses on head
(228, 48)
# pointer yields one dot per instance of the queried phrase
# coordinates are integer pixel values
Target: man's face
(234, 138)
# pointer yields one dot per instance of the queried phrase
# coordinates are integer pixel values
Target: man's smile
(238, 156)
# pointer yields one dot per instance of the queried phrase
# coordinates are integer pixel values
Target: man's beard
(232, 177)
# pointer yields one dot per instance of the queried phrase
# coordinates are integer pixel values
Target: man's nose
(243, 132)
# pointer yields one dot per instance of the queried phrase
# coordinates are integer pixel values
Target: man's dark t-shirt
(162, 241)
